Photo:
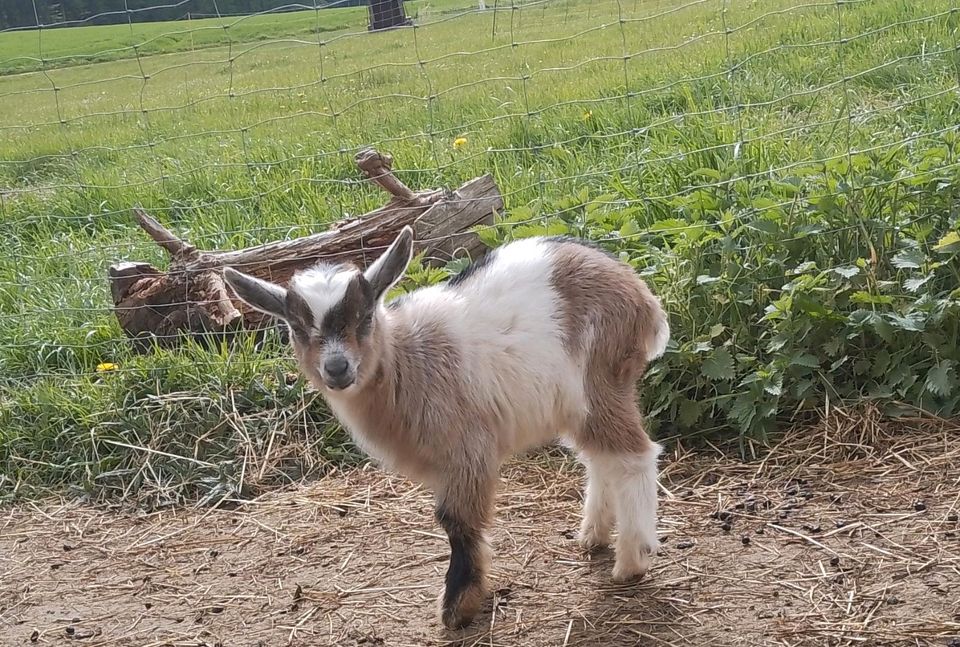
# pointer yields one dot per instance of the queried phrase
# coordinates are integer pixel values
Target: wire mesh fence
(783, 173)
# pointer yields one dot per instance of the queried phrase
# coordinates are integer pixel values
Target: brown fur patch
(610, 323)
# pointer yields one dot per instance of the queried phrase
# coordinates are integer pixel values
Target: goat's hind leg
(618, 450)
(464, 510)
(636, 504)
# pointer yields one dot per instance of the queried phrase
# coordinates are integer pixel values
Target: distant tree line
(21, 13)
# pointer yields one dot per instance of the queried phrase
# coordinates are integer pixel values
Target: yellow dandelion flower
(103, 367)
(588, 115)
(459, 142)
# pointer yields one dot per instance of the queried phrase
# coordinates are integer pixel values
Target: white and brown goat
(541, 338)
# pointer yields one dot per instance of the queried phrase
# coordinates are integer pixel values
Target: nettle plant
(830, 282)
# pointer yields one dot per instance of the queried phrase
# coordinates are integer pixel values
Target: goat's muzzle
(337, 372)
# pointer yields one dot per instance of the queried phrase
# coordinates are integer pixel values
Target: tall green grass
(53, 47)
(783, 173)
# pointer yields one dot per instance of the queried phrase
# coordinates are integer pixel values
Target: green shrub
(828, 282)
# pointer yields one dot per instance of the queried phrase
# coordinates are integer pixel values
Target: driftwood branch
(191, 297)
(378, 168)
(164, 237)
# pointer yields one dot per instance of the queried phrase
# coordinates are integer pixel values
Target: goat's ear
(262, 295)
(384, 273)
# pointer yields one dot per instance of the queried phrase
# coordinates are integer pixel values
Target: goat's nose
(336, 366)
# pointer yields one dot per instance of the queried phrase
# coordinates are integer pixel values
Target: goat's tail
(659, 336)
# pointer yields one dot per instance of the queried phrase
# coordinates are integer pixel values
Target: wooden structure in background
(191, 297)
(385, 14)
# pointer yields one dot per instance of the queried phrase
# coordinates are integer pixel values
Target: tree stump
(191, 299)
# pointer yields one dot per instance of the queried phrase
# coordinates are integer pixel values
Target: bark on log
(157, 307)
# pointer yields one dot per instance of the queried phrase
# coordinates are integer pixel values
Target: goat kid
(542, 337)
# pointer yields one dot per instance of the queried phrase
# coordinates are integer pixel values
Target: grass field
(784, 173)
(30, 50)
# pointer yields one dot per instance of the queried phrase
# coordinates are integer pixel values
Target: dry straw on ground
(845, 535)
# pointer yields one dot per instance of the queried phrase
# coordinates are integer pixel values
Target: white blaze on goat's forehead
(323, 288)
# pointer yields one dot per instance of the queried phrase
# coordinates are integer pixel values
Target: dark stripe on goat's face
(462, 572)
(299, 316)
(353, 314)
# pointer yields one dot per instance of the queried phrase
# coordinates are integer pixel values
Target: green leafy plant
(832, 282)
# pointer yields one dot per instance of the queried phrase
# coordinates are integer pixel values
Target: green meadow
(783, 173)
(30, 50)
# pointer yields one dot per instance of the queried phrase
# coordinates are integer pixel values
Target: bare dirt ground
(848, 535)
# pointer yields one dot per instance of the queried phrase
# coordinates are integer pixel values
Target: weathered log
(156, 307)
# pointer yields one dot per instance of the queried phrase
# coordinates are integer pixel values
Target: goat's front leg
(464, 510)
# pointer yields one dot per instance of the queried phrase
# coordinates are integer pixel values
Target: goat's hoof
(625, 571)
(455, 620)
(459, 613)
(592, 539)
(460, 616)
(593, 544)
